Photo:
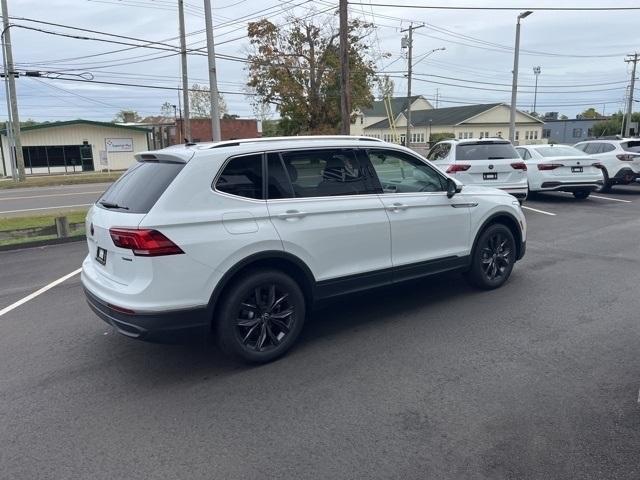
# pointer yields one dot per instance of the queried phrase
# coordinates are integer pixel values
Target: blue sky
(572, 48)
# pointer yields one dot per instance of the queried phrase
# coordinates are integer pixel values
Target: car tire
(492, 258)
(581, 194)
(606, 186)
(260, 316)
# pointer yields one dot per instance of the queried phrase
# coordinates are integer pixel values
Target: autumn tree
(200, 104)
(167, 110)
(127, 116)
(296, 68)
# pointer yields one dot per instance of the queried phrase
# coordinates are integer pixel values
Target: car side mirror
(453, 187)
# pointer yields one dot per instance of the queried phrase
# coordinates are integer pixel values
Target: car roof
(184, 153)
(459, 141)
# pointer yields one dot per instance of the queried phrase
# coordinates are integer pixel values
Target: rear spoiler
(177, 156)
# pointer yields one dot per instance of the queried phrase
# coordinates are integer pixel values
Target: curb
(42, 243)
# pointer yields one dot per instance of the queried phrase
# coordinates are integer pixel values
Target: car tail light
(549, 166)
(597, 165)
(625, 157)
(519, 166)
(143, 242)
(458, 167)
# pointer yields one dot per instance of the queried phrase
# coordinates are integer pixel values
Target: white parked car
(620, 159)
(240, 238)
(561, 168)
(491, 162)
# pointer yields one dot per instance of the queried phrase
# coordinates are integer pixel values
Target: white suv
(240, 238)
(491, 162)
(619, 159)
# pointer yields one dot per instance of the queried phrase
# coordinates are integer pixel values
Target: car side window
(607, 147)
(438, 152)
(402, 173)
(242, 176)
(524, 153)
(317, 173)
(581, 146)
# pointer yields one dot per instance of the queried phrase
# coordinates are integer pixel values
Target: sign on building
(104, 159)
(119, 144)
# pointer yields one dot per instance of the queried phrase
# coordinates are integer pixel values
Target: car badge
(490, 167)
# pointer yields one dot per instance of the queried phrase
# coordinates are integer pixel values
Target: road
(43, 200)
(426, 380)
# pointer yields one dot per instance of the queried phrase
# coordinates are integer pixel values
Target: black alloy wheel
(493, 257)
(265, 318)
(261, 315)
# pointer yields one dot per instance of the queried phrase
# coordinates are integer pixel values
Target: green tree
(127, 116)
(436, 137)
(564, 117)
(199, 102)
(590, 112)
(296, 68)
(612, 126)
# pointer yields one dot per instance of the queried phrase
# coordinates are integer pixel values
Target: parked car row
(582, 169)
(238, 239)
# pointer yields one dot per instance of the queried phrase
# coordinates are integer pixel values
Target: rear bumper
(556, 186)
(167, 327)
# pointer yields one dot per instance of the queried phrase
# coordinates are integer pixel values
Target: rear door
(324, 206)
(426, 226)
(125, 204)
(489, 164)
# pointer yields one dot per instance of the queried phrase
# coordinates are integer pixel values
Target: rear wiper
(106, 204)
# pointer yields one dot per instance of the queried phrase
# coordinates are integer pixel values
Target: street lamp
(514, 86)
(536, 72)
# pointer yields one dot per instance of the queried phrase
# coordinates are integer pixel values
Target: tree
(127, 116)
(200, 104)
(167, 110)
(436, 137)
(386, 86)
(590, 113)
(296, 68)
(564, 117)
(612, 126)
(29, 122)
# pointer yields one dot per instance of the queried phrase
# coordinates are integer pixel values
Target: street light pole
(536, 72)
(213, 80)
(514, 86)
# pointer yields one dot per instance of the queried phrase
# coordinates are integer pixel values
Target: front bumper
(166, 327)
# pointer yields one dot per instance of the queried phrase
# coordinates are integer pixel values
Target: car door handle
(292, 214)
(396, 207)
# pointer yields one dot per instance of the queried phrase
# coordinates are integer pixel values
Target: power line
(451, 7)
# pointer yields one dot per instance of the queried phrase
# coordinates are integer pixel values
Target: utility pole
(185, 79)
(536, 72)
(345, 84)
(631, 59)
(514, 85)
(11, 83)
(408, 41)
(213, 81)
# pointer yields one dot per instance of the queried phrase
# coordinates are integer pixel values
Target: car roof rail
(235, 143)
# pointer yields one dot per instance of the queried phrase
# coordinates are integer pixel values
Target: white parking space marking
(539, 211)
(612, 199)
(39, 292)
(49, 195)
(45, 208)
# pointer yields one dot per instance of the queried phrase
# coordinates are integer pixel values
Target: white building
(75, 146)
(467, 121)
(377, 112)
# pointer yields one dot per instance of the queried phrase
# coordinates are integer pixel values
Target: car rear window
(633, 146)
(485, 151)
(559, 151)
(140, 187)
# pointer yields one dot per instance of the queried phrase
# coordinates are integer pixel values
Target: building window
(577, 132)
(361, 120)
(459, 135)
(526, 135)
(546, 133)
(517, 134)
(68, 158)
(535, 134)
(590, 132)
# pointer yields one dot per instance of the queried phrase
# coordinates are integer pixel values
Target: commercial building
(571, 130)
(230, 129)
(76, 146)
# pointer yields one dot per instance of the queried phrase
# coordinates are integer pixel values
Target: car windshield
(485, 151)
(561, 151)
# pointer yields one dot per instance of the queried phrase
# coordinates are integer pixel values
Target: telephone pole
(536, 72)
(345, 84)
(408, 42)
(11, 84)
(213, 81)
(514, 85)
(631, 59)
(185, 79)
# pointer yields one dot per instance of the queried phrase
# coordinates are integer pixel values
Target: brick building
(230, 129)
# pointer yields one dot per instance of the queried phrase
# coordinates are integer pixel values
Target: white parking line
(44, 208)
(39, 292)
(539, 211)
(49, 195)
(612, 199)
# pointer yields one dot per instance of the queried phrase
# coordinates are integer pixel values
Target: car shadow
(200, 360)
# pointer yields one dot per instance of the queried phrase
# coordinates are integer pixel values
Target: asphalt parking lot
(426, 380)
